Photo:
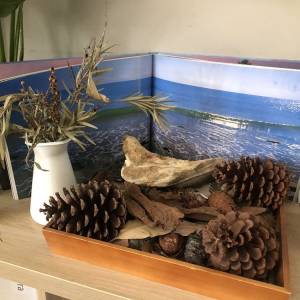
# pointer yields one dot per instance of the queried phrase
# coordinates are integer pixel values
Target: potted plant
(52, 122)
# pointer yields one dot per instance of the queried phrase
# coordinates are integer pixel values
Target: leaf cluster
(49, 118)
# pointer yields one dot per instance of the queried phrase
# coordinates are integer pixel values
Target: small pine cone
(254, 182)
(194, 251)
(222, 202)
(96, 210)
(240, 244)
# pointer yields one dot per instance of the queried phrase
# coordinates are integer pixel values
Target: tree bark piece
(136, 210)
(151, 212)
(203, 213)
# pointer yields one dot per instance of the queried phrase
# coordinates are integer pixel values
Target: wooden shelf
(24, 257)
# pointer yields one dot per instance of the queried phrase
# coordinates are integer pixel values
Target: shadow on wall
(58, 36)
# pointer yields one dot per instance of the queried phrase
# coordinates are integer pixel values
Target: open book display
(223, 109)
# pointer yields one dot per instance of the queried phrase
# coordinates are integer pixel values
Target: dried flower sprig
(152, 105)
(49, 118)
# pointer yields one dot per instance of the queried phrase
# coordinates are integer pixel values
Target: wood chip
(185, 228)
(154, 213)
(203, 213)
(136, 230)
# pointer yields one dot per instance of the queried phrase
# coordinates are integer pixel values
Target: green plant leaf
(8, 6)
(88, 138)
(21, 55)
(2, 46)
(39, 167)
(74, 139)
(101, 71)
(18, 31)
(86, 124)
(12, 35)
(66, 88)
(152, 105)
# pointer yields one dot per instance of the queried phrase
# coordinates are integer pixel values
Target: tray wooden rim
(284, 289)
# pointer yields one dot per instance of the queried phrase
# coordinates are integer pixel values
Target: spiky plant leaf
(152, 105)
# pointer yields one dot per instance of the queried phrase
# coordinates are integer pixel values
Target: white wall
(244, 28)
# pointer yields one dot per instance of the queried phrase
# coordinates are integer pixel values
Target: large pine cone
(254, 182)
(96, 210)
(238, 243)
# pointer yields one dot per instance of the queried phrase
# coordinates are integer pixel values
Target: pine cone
(222, 202)
(254, 182)
(238, 243)
(96, 210)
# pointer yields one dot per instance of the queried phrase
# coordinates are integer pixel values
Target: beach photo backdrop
(222, 109)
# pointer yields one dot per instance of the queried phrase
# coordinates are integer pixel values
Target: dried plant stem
(152, 105)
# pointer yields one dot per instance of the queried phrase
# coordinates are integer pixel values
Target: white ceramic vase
(55, 173)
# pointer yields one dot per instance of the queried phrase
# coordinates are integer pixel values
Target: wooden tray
(197, 279)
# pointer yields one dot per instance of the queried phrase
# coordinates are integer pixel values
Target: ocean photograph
(210, 123)
(206, 123)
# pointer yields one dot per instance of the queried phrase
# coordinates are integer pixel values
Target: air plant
(49, 118)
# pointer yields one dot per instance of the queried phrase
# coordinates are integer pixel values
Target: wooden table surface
(25, 258)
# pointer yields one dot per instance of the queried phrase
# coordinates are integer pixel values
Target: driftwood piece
(150, 212)
(143, 167)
